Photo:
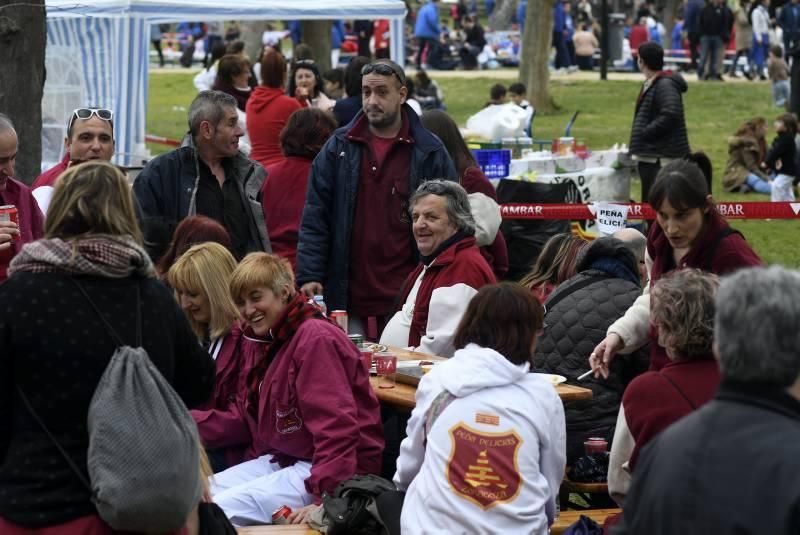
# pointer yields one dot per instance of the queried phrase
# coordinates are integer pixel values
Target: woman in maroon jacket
(283, 194)
(689, 232)
(308, 409)
(268, 109)
(471, 178)
(683, 310)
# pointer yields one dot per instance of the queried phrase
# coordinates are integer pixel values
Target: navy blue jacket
(165, 191)
(323, 249)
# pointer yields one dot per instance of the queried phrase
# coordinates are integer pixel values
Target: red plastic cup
(595, 445)
(366, 357)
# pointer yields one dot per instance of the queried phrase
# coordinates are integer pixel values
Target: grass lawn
(713, 112)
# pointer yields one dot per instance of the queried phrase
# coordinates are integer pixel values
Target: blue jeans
(710, 48)
(758, 184)
(760, 52)
(780, 92)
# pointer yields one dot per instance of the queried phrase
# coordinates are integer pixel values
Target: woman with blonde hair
(201, 279)
(311, 415)
(89, 271)
(555, 264)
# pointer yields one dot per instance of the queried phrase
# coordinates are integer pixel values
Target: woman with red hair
(283, 194)
(191, 231)
(268, 109)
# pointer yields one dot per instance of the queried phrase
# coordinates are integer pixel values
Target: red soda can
(340, 317)
(281, 515)
(9, 213)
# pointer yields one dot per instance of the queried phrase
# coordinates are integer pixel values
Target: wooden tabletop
(403, 396)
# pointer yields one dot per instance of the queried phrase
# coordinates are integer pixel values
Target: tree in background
(22, 41)
(534, 69)
(252, 30)
(500, 18)
(317, 35)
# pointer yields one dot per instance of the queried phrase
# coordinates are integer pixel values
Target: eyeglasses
(384, 69)
(87, 113)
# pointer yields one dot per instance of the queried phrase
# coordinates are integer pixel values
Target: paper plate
(554, 379)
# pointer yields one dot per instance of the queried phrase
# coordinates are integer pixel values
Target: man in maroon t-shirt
(355, 237)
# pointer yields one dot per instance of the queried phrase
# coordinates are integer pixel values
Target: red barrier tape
(162, 140)
(730, 210)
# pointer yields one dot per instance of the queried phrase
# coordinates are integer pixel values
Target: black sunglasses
(384, 69)
(86, 113)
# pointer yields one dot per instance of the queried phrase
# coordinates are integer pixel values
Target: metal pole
(604, 29)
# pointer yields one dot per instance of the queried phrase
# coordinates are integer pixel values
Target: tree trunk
(670, 9)
(500, 19)
(23, 37)
(252, 30)
(317, 35)
(536, 45)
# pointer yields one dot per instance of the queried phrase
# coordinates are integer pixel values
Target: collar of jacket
(446, 253)
(241, 165)
(650, 82)
(423, 139)
(764, 395)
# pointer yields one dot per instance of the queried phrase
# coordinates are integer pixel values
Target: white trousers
(782, 189)
(251, 491)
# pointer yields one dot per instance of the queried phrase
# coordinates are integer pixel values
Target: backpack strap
(559, 296)
(711, 251)
(678, 389)
(109, 328)
(47, 432)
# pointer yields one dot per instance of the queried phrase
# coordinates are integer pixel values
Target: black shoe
(762, 77)
(719, 78)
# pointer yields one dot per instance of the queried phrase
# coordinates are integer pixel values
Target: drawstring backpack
(143, 459)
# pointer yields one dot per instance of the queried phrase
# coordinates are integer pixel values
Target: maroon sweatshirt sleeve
(327, 364)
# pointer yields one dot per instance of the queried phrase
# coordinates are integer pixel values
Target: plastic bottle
(319, 301)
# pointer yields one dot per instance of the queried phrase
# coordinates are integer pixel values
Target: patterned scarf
(297, 311)
(102, 255)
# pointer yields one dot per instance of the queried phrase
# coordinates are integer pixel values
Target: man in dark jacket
(691, 15)
(659, 134)
(715, 31)
(731, 466)
(355, 236)
(577, 315)
(207, 176)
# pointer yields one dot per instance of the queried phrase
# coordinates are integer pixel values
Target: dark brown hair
(789, 120)
(273, 69)
(306, 132)
(191, 231)
(446, 129)
(231, 65)
(504, 317)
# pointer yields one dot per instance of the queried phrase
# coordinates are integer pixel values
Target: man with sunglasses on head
(90, 136)
(30, 223)
(207, 175)
(355, 240)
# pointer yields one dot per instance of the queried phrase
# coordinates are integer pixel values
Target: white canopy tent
(97, 53)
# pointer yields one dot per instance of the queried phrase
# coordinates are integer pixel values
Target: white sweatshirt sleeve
(553, 457)
(445, 310)
(634, 326)
(619, 476)
(486, 213)
(412, 449)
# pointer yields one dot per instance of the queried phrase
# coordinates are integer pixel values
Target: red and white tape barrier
(729, 210)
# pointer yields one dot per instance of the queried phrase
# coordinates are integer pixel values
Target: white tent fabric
(108, 42)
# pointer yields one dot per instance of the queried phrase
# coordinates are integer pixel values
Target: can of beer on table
(357, 339)
(9, 213)
(340, 317)
(281, 515)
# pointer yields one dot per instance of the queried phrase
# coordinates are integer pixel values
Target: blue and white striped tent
(97, 52)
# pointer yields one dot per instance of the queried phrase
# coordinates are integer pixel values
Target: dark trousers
(648, 173)
(562, 53)
(694, 43)
(423, 43)
(585, 63)
(157, 45)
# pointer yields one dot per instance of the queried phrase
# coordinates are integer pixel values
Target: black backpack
(353, 510)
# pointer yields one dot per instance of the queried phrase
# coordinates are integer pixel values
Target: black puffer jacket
(659, 126)
(575, 323)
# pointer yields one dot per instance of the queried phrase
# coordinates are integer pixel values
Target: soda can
(357, 339)
(281, 515)
(340, 317)
(9, 213)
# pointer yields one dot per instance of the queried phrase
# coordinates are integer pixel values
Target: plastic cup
(366, 357)
(386, 366)
(595, 445)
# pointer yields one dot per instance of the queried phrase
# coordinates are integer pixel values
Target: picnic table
(403, 396)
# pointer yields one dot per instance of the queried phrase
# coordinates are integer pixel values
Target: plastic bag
(498, 121)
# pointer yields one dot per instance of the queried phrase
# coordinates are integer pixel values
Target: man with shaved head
(13, 192)
(636, 242)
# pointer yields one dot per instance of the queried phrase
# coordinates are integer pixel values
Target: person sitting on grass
(742, 171)
(780, 159)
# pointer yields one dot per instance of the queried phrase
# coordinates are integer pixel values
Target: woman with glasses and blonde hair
(88, 271)
(201, 277)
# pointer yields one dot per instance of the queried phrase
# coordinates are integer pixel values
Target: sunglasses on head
(384, 69)
(86, 113)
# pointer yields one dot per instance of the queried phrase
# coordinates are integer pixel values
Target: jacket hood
(678, 80)
(475, 368)
(262, 96)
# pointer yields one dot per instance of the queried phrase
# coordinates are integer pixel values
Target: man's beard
(385, 120)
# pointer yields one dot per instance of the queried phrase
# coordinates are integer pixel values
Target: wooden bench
(567, 518)
(291, 529)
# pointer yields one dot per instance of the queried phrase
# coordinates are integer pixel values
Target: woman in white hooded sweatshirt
(485, 451)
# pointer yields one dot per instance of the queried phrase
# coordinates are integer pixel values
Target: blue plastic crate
(493, 162)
